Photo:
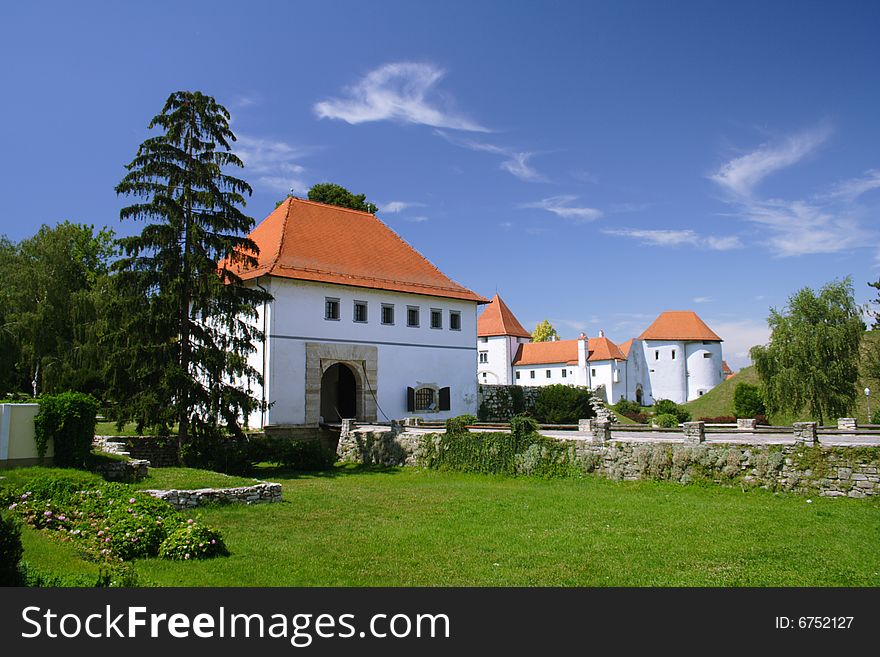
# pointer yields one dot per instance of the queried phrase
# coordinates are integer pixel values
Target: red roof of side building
(498, 319)
(311, 241)
(626, 346)
(725, 370)
(565, 351)
(679, 325)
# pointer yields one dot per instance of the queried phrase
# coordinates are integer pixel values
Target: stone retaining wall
(161, 452)
(804, 468)
(125, 471)
(187, 499)
(497, 403)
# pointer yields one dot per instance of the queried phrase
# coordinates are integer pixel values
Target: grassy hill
(719, 400)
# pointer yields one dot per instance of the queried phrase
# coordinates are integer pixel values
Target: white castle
(677, 357)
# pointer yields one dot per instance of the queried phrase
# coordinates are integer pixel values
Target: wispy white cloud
(562, 207)
(272, 164)
(398, 91)
(418, 219)
(827, 222)
(702, 299)
(742, 174)
(515, 162)
(739, 336)
(396, 207)
(664, 237)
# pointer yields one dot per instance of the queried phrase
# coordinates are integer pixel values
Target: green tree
(812, 359)
(544, 332)
(333, 194)
(747, 401)
(183, 322)
(871, 355)
(48, 305)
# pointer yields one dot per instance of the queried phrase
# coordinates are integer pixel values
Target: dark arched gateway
(338, 394)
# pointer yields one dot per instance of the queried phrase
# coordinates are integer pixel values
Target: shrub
(193, 541)
(459, 424)
(68, 420)
(669, 407)
(220, 453)
(666, 420)
(306, 455)
(875, 419)
(10, 550)
(562, 404)
(641, 418)
(747, 401)
(627, 408)
(522, 426)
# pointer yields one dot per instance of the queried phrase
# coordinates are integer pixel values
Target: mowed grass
(191, 478)
(409, 527)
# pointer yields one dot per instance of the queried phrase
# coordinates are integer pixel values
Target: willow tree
(182, 320)
(812, 360)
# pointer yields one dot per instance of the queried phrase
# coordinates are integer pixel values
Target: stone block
(746, 424)
(694, 432)
(847, 423)
(805, 432)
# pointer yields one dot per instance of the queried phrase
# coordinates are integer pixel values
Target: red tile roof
(497, 319)
(311, 241)
(565, 351)
(626, 346)
(679, 325)
(542, 353)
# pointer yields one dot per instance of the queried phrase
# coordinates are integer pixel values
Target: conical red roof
(498, 319)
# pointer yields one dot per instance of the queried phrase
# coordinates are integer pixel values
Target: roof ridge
(331, 205)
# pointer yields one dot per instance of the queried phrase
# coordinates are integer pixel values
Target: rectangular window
(656, 354)
(673, 354)
(593, 372)
(564, 373)
(387, 313)
(454, 320)
(412, 316)
(484, 339)
(436, 318)
(707, 355)
(425, 399)
(360, 311)
(532, 374)
(484, 356)
(548, 374)
(331, 308)
(517, 374)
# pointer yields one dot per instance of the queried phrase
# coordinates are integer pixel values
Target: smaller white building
(677, 357)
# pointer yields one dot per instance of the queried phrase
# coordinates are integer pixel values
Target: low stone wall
(161, 452)
(497, 403)
(125, 471)
(802, 467)
(187, 499)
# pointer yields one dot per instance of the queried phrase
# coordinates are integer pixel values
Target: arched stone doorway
(339, 394)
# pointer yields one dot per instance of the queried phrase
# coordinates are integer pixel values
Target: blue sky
(595, 163)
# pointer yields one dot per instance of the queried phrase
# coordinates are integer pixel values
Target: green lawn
(408, 527)
(190, 478)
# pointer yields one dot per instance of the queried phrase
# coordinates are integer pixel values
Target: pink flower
(213, 541)
(47, 513)
(107, 540)
(12, 506)
(132, 500)
(189, 522)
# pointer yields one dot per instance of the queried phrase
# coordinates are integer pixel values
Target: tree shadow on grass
(265, 472)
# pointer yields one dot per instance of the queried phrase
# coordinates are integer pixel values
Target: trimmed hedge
(562, 404)
(669, 407)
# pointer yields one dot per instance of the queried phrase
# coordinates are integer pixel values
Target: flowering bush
(10, 550)
(193, 541)
(109, 521)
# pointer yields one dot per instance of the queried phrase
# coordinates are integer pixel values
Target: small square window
(532, 374)
(360, 311)
(673, 354)
(387, 314)
(454, 320)
(331, 308)
(593, 372)
(564, 373)
(424, 399)
(707, 355)
(412, 316)
(548, 374)
(484, 339)
(517, 374)
(436, 318)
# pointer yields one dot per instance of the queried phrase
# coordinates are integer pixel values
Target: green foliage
(304, 455)
(182, 324)
(459, 424)
(666, 420)
(68, 420)
(627, 407)
(109, 522)
(193, 541)
(812, 358)
(10, 550)
(50, 295)
(747, 401)
(522, 426)
(562, 404)
(107, 576)
(333, 194)
(544, 332)
(669, 407)
(211, 450)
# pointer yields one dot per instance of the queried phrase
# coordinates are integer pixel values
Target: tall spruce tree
(182, 320)
(812, 360)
